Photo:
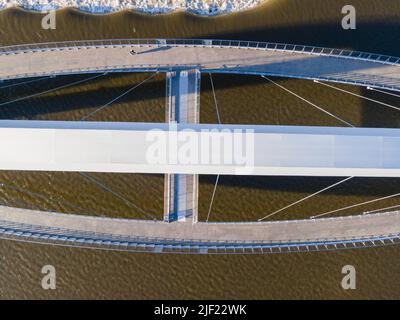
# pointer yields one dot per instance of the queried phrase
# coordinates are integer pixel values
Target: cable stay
(215, 98)
(355, 205)
(51, 90)
(326, 188)
(97, 182)
(382, 209)
(115, 99)
(219, 122)
(309, 102)
(19, 204)
(358, 95)
(42, 196)
(384, 92)
(307, 197)
(25, 82)
(116, 194)
(212, 198)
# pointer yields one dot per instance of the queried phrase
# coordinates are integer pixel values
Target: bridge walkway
(215, 59)
(181, 190)
(291, 231)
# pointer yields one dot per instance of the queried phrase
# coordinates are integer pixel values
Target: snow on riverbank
(203, 7)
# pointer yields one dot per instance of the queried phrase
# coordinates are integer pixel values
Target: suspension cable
(355, 205)
(41, 195)
(219, 122)
(307, 197)
(309, 102)
(96, 181)
(120, 96)
(326, 188)
(116, 194)
(51, 90)
(19, 204)
(215, 98)
(212, 198)
(25, 82)
(358, 95)
(384, 92)
(381, 209)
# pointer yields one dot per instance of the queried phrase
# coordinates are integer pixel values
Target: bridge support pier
(182, 106)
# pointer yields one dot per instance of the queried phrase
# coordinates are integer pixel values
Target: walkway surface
(207, 59)
(183, 106)
(354, 227)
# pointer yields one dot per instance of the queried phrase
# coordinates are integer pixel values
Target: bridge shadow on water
(95, 94)
(358, 186)
(76, 99)
(253, 95)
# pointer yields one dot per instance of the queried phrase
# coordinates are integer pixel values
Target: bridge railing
(284, 47)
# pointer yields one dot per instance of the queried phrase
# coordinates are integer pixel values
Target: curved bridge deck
(215, 56)
(157, 235)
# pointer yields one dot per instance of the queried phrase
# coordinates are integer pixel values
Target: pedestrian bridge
(269, 150)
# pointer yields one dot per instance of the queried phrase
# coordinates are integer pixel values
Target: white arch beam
(141, 147)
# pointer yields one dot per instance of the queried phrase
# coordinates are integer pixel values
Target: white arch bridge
(124, 147)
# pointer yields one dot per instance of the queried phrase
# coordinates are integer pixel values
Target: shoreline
(197, 7)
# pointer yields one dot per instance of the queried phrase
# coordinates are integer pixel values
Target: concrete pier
(182, 106)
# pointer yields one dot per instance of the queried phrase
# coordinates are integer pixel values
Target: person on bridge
(132, 52)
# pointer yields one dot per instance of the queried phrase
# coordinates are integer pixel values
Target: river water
(84, 273)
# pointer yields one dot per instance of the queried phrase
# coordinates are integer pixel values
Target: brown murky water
(241, 99)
